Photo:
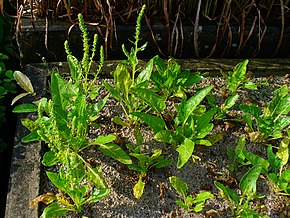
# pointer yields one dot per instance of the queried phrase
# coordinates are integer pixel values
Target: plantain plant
(131, 83)
(189, 202)
(269, 123)
(63, 122)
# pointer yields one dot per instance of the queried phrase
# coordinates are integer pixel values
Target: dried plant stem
(196, 24)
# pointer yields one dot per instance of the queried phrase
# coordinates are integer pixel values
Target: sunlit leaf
(23, 81)
(185, 151)
(180, 186)
(139, 189)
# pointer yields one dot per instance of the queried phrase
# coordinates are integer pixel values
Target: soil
(159, 196)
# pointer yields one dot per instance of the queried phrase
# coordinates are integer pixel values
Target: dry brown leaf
(45, 198)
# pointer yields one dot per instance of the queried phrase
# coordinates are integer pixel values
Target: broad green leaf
(116, 152)
(122, 79)
(227, 193)
(240, 147)
(54, 210)
(207, 128)
(97, 195)
(248, 182)
(143, 159)
(282, 123)
(138, 189)
(274, 161)
(31, 137)
(230, 102)
(138, 136)
(203, 122)
(156, 123)
(156, 102)
(201, 197)
(250, 86)
(49, 159)
(256, 160)
(189, 106)
(200, 200)
(251, 109)
(181, 204)
(275, 107)
(58, 91)
(25, 108)
(24, 82)
(185, 151)
(99, 105)
(145, 73)
(118, 121)
(237, 76)
(193, 79)
(58, 181)
(283, 151)
(95, 176)
(203, 142)
(138, 168)
(101, 140)
(115, 93)
(215, 138)
(164, 136)
(180, 186)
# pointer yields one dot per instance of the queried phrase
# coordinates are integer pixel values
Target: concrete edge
(24, 181)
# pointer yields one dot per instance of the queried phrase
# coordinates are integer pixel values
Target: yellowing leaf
(283, 151)
(139, 189)
(24, 82)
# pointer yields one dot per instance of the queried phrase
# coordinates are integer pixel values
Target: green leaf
(248, 182)
(54, 210)
(95, 175)
(227, 193)
(23, 81)
(58, 181)
(180, 186)
(282, 123)
(101, 140)
(25, 108)
(115, 93)
(250, 86)
(237, 76)
(164, 136)
(189, 106)
(256, 160)
(203, 123)
(118, 121)
(156, 102)
(185, 151)
(138, 189)
(156, 123)
(230, 102)
(251, 109)
(283, 151)
(98, 195)
(122, 79)
(116, 152)
(145, 73)
(274, 161)
(50, 158)
(200, 200)
(31, 137)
